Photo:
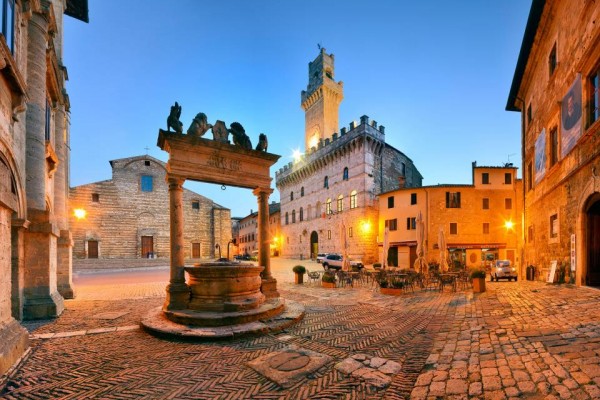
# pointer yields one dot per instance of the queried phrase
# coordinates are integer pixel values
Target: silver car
(503, 269)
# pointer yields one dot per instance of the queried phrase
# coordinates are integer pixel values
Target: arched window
(328, 207)
(345, 175)
(302, 191)
(301, 214)
(287, 220)
(353, 199)
(291, 196)
(340, 203)
(293, 216)
(326, 182)
(318, 210)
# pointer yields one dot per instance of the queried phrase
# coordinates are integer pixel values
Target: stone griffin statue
(262, 142)
(239, 136)
(173, 119)
(220, 132)
(199, 125)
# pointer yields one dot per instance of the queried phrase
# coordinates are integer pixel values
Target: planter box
(391, 291)
(298, 278)
(330, 285)
(478, 285)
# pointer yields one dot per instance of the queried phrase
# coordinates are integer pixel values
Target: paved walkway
(517, 340)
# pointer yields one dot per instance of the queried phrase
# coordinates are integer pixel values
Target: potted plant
(328, 280)
(299, 272)
(478, 278)
(377, 265)
(391, 287)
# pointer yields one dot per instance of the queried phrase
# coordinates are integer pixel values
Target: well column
(178, 292)
(269, 284)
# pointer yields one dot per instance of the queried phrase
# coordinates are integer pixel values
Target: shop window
(413, 199)
(353, 199)
(486, 228)
(553, 146)
(486, 203)
(452, 199)
(340, 203)
(7, 22)
(552, 60)
(594, 96)
(391, 202)
(411, 223)
(345, 174)
(95, 198)
(508, 204)
(507, 178)
(146, 183)
(554, 226)
(485, 178)
(453, 228)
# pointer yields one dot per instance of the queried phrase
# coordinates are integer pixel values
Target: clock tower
(321, 100)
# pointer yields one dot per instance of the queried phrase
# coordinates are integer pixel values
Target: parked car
(320, 257)
(503, 269)
(336, 261)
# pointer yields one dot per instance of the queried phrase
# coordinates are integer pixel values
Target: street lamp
(79, 213)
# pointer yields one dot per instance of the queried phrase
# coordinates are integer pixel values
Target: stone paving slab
(517, 340)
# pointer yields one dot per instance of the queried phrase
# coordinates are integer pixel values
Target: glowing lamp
(79, 213)
(508, 225)
(366, 227)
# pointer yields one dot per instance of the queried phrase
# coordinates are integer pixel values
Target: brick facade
(561, 47)
(479, 217)
(122, 213)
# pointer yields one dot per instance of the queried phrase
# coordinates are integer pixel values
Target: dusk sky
(436, 74)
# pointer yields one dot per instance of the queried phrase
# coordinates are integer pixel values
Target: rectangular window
(452, 199)
(146, 183)
(595, 96)
(403, 169)
(147, 163)
(486, 228)
(353, 200)
(413, 199)
(485, 178)
(553, 146)
(328, 207)
(340, 204)
(47, 135)
(195, 205)
(453, 228)
(350, 233)
(530, 234)
(508, 204)
(328, 234)
(554, 226)
(411, 223)
(486, 204)
(529, 176)
(507, 178)
(95, 198)
(7, 22)
(529, 114)
(552, 60)
(391, 224)
(391, 202)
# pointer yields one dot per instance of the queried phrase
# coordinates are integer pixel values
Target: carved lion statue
(173, 119)
(262, 142)
(199, 125)
(220, 132)
(239, 136)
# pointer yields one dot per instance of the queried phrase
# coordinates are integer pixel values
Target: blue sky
(435, 73)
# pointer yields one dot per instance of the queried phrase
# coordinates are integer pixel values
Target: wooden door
(510, 255)
(92, 249)
(195, 250)
(147, 246)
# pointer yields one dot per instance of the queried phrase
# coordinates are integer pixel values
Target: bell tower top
(321, 100)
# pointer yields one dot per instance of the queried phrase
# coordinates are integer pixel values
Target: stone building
(333, 186)
(128, 216)
(248, 232)
(556, 87)
(481, 221)
(35, 241)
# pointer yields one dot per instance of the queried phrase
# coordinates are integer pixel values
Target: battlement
(337, 140)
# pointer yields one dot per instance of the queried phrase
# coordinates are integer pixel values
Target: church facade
(128, 216)
(35, 241)
(329, 194)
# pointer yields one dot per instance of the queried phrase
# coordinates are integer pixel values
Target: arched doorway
(314, 245)
(593, 244)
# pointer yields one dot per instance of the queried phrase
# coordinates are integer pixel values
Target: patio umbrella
(442, 246)
(386, 244)
(344, 244)
(420, 263)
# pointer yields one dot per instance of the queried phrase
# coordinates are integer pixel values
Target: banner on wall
(570, 117)
(540, 156)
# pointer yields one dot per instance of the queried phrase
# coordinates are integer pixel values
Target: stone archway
(314, 245)
(592, 242)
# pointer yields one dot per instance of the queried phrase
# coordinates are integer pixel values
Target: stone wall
(124, 213)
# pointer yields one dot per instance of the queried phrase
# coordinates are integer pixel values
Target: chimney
(401, 182)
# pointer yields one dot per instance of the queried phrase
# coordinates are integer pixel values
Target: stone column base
(50, 306)
(269, 288)
(64, 269)
(14, 340)
(66, 291)
(178, 297)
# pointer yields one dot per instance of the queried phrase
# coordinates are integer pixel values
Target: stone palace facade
(128, 216)
(331, 190)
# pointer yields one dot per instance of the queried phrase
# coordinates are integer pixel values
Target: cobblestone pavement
(517, 340)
